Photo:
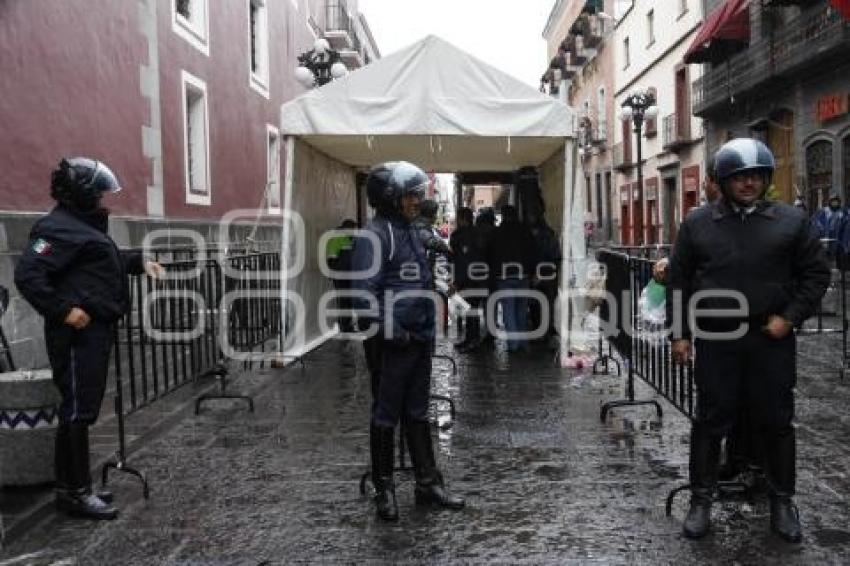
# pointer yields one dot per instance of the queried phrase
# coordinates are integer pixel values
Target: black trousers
(403, 384)
(80, 363)
(754, 375)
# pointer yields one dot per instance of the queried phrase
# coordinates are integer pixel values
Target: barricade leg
(120, 460)
(220, 371)
(601, 365)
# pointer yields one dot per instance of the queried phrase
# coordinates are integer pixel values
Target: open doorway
(671, 205)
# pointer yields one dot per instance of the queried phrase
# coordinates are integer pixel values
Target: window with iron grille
(196, 140)
(626, 53)
(273, 168)
(183, 7)
(650, 27)
(190, 20)
(259, 38)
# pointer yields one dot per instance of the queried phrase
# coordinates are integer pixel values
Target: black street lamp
(320, 65)
(639, 105)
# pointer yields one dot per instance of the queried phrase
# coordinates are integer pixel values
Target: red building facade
(180, 97)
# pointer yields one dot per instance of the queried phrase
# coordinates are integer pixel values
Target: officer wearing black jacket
(763, 251)
(76, 278)
(399, 355)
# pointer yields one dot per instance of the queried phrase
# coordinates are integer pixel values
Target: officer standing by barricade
(764, 252)
(73, 274)
(405, 322)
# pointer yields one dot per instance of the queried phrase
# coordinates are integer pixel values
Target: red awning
(842, 6)
(726, 30)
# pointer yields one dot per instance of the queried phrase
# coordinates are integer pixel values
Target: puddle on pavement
(831, 537)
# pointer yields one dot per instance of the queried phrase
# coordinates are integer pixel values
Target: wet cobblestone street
(545, 481)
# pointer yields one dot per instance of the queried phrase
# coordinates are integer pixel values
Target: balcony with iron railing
(581, 45)
(352, 55)
(339, 26)
(622, 160)
(676, 131)
(820, 35)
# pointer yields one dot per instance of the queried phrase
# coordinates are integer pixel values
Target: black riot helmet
(388, 182)
(81, 181)
(743, 155)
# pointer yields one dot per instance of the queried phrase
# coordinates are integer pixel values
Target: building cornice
(554, 16)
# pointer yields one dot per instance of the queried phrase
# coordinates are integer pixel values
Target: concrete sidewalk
(545, 481)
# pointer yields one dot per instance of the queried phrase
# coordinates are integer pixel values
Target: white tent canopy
(436, 106)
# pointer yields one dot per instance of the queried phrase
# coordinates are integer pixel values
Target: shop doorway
(671, 205)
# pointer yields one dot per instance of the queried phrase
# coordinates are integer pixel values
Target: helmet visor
(103, 180)
(409, 179)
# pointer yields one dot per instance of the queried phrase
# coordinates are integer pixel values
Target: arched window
(818, 173)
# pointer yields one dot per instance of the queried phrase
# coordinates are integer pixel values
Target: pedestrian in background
(73, 274)
(512, 258)
(828, 223)
(485, 226)
(465, 254)
(765, 251)
(547, 270)
(338, 252)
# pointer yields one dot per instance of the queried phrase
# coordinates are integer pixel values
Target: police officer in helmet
(399, 353)
(73, 274)
(765, 252)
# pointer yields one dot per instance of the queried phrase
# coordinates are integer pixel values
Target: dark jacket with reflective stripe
(402, 267)
(769, 255)
(71, 262)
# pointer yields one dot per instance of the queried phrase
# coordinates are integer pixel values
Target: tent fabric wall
(444, 110)
(323, 194)
(551, 174)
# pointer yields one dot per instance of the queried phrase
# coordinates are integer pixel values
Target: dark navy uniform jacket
(71, 261)
(403, 267)
(768, 255)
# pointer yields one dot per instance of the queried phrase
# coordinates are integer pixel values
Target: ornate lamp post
(320, 65)
(638, 106)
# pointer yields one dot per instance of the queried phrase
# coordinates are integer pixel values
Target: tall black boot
(430, 487)
(473, 334)
(705, 451)
(383, 454)
(78, 499)
(61, 461)
(782, 475)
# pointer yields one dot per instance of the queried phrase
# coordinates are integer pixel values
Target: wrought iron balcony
(816, 36)
(676, 132)
(599, 132)
(339, 26)
(593, 6)
(353, 56)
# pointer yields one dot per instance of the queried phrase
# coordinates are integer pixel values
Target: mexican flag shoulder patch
(41, 247)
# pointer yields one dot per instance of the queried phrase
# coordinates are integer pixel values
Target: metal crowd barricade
(647, 354)
(840, 263)
(621, 282)
(8, 363)
(174, 331)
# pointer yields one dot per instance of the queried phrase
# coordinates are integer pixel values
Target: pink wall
(70, 78)
(237, 114)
